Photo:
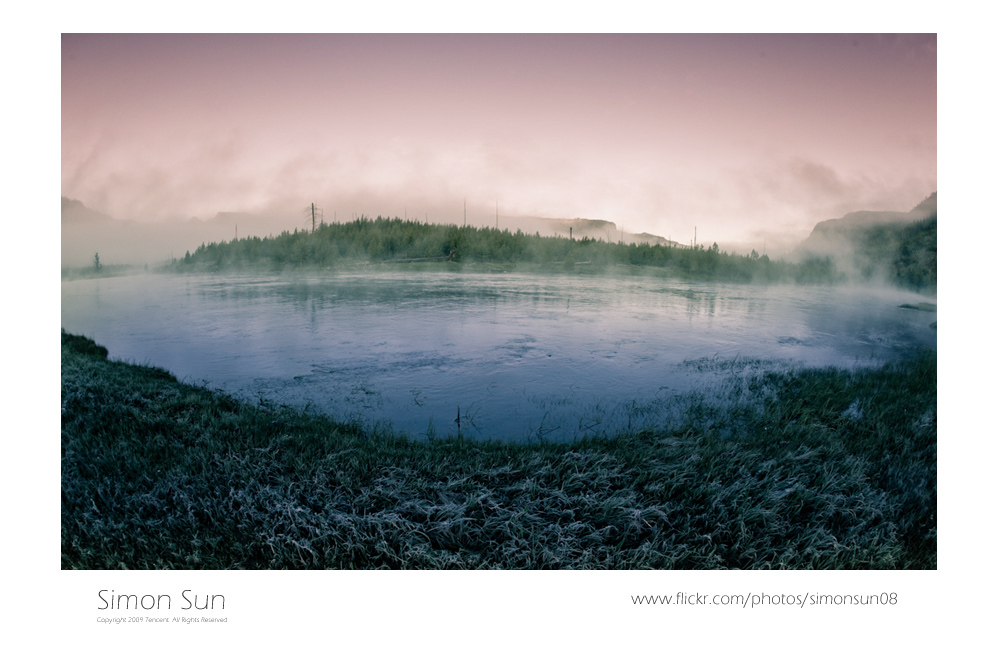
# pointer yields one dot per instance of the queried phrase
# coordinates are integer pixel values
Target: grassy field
(830, 469)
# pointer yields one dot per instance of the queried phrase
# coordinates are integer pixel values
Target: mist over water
(512, 356)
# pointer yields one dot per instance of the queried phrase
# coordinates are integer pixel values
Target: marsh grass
(813, 469)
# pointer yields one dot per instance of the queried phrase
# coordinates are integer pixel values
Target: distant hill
(118, 242)
(603, 230)
(927, 207)
(74, 212)
(824, 231)
(897, 246)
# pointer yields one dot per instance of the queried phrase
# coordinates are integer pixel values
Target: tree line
(390, 241)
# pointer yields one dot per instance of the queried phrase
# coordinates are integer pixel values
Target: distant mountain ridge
(856, 219)
(603, 230)
(86, 232)
(927, 207)
(75, 212)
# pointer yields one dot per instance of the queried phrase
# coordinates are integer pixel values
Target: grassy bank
(832, 470)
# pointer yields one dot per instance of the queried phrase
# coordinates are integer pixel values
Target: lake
(512, 356)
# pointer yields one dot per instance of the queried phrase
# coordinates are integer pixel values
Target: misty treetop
(906, 253)
(398, 242)
(393, 241)
(898, 248)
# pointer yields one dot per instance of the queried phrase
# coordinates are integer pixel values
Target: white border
(500, 617)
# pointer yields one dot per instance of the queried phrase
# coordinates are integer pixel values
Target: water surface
(497, 356)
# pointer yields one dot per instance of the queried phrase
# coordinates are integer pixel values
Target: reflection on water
(499, 356)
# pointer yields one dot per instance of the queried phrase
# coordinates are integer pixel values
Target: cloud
(152, 181)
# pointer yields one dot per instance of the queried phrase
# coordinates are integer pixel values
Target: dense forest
(393, 241)
(906, 254)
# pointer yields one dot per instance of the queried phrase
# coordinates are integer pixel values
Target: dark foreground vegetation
(407, 242)
(832, 469)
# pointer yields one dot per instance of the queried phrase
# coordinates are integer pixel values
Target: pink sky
(740, 135)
